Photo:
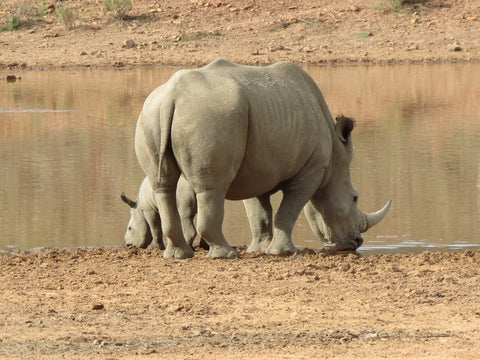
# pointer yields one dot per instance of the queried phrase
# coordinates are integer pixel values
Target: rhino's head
(138, 231)
(332, 213)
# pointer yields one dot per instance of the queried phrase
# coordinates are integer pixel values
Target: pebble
(13, 78)
(454, 47)
(129, 44)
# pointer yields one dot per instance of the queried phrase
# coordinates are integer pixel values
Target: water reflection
(65, 164)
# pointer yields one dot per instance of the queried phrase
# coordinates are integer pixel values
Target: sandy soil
(120, 303)
(195, 32)
(130, 303)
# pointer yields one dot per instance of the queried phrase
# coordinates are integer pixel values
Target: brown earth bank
(83, 33)
(121, 303)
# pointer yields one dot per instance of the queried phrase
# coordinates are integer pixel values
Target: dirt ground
(185, 33)
(128, 303)
(117, 303)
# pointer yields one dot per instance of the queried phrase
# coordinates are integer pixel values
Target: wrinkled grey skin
(240, 132)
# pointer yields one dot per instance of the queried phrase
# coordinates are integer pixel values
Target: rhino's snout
(359, 241)
(349, 244)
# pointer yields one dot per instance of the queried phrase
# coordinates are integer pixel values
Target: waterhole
(67, 152)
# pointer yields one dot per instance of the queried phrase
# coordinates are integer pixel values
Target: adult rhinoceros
(240, 132)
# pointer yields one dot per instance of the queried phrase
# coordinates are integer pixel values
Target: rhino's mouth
(140, 246)
(349, 244)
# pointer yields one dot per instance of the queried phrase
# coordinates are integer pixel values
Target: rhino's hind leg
(176, 246)
(209, 224)
(259, 213)
(187, 208)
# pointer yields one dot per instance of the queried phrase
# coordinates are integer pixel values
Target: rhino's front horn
(372, 219)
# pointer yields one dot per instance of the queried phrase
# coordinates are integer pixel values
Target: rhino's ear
(344, 127)
(129, 202)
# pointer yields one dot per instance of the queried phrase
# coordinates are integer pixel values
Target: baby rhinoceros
(144, 227)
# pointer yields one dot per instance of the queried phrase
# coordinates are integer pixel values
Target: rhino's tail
(153, 144)
(168, 170)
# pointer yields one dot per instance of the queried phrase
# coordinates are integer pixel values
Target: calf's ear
(344, 127)
(129, 202)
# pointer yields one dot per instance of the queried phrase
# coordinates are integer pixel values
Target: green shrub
(67, 16)
(20, 12)
(119, 8)
(393, 6)
(11, 24)
(389, 6)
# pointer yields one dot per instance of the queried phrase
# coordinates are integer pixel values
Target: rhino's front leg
(288, 211)
(176, 246)
(259, 214)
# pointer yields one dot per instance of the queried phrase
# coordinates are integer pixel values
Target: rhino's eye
(129, 228)
(355, 199)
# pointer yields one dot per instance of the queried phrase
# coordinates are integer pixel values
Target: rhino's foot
(178, 252)
(258, 246)
(222, 252)
(156, 246)
(284, 248)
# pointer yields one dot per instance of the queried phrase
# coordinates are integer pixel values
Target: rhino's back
(265, 123)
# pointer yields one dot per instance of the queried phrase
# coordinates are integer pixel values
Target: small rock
(129, 44)
(101, 343)
(413, 47)
(13, 78)
(80, 339)
(98, 307)
(83, 53)
(454, 47)
(373, 335)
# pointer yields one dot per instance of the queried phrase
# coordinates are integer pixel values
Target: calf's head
(332, 213)
(138, 231)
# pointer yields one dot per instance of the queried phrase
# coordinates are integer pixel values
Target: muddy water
(66, 152)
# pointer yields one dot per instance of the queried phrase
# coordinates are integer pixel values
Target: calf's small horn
(372, 219)
(130, 202)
